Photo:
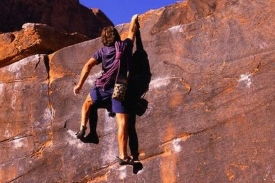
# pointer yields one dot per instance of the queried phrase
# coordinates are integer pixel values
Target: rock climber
(106, 56)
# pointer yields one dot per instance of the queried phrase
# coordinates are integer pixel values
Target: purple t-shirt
(106, 55)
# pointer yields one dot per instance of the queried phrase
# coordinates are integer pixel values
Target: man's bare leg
(85, 112)
(122, 134)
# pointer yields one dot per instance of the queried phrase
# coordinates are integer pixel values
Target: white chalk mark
(246, 78)
(122, 172)
(74, 141)
(159, 82)
(176, 145)
(47, 116)
(13, 101)
(175, 29)
(17, 143)
(71, 133)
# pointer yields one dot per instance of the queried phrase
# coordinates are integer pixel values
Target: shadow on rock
(92, 137)
(137, 166)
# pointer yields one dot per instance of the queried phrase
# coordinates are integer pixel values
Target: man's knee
(88, 101)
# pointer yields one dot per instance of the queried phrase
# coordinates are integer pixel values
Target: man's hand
(84, 74)
(135, 18)
(77, 89)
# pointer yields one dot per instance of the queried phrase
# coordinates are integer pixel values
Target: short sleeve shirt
(106, 54)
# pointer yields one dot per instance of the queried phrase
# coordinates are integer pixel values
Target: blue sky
(121, 11)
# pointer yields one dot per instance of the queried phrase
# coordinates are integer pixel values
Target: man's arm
(84, 74)
(133, 28)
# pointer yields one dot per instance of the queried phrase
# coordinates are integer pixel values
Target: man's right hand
(135, 17)
(77, 89)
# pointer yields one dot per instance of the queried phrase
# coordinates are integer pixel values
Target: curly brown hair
(109, 36)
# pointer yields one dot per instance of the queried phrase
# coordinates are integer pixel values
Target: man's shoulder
(106, 49)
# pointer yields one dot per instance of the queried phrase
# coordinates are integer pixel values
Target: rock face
(33, 39)
(211, 103)
(66, 16)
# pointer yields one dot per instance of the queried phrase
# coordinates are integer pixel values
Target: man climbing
(100, 93)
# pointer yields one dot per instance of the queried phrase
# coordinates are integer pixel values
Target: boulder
(34, 39)
(210, 112)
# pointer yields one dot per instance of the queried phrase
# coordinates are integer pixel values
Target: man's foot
(126, 161)
(80, 134)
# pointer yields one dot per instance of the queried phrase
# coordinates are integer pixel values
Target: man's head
(109, 36)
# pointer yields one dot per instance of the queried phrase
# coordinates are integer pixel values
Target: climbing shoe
(126, 161)
(80, 134)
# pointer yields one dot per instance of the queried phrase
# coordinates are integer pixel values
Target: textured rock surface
(33, 39)
(211, 103)
(66, 16)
